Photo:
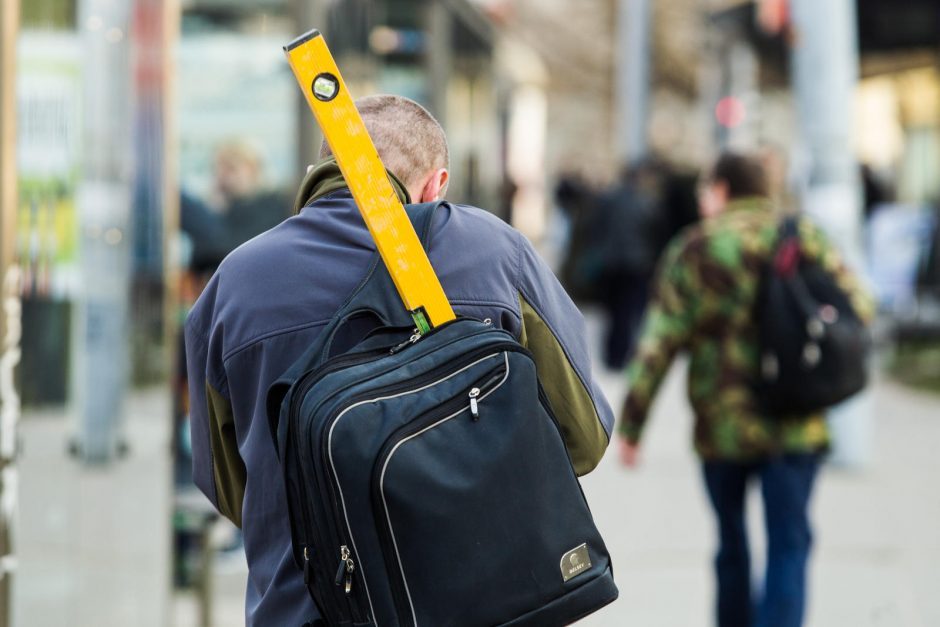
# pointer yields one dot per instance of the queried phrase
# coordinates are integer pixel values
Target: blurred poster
(48, 157)
(49, 132)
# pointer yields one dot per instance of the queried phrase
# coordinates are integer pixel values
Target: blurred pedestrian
(580, 268)
(238, 207)
(628, 239)
(703, 303)
(247, 208)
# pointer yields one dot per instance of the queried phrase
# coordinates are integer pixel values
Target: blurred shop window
(48, 14)
(48, 157)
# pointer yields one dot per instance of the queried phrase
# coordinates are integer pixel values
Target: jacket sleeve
(218, 469)
(667, 327)
(554, 332)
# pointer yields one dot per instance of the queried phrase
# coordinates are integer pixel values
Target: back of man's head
(744, 175)
(410, 142)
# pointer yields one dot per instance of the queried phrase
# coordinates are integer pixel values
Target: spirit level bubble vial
(345, 132)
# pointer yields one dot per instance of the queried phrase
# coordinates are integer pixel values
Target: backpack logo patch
(575, 562)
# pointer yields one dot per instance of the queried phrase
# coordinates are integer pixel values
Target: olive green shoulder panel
(580, 424)
(227, 466)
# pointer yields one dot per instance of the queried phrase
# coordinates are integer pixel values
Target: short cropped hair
(409, 140)
(744, 174)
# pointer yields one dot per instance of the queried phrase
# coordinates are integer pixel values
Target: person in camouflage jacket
(703, 304)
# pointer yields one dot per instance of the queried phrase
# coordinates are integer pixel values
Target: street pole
(104, 204)
(440, 58)
(10, 313)
(825, 75)
(632, 70)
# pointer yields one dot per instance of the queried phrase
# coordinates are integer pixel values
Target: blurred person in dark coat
(580, 272)
(247, 207)
(629, 238)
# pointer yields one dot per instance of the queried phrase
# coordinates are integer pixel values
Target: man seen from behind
(703, 304)
(272, 296)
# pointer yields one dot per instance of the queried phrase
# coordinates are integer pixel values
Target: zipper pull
(306, 567)
(345, 571)
(411, 340)
(340, 572)
(474, 405)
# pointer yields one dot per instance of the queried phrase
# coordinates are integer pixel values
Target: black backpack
(427, 479)
(813, 346)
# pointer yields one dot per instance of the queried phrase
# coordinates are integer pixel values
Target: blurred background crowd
(143, 140)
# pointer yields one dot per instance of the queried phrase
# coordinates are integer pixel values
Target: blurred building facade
(525, 90)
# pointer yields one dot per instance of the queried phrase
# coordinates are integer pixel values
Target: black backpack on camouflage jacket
(427, 479)
(813, 346)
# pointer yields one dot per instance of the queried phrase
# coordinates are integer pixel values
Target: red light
(730, 112)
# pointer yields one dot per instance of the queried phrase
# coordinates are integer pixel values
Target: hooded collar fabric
(325, 178)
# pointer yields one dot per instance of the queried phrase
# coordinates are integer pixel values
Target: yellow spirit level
(345, 132)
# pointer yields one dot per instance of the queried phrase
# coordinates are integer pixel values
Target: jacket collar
(750, 203)
(325, 178)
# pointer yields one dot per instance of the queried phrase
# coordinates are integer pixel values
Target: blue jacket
(271, 297)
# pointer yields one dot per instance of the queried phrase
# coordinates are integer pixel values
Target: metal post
(439, 58)
(825, 73)
(171, 16)
(104, 203)
(632, 67)
(10, 313)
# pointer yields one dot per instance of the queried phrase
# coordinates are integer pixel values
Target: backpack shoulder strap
(789, 228)
(376, 293)
(372, 304)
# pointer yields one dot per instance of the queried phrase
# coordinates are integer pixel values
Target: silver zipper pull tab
(411, 340)
(341, 570)
(350, 567)
(306, 566)
(345, 571)
(474, 405)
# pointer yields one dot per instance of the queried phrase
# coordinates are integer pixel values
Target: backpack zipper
(336, 503)
(323, 534)
(309, 379)
(467, 400)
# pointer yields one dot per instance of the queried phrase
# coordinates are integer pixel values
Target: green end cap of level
(421, 321)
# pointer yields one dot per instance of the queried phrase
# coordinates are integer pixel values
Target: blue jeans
(786, 484)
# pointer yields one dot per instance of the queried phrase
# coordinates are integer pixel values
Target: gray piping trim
(329, 448)
(388, 518)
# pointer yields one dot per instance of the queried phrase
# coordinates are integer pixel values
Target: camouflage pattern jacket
(702, 303)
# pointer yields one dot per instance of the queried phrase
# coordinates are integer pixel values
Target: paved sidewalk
(93, 543)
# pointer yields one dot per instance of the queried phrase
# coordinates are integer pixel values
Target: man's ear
(435, 187)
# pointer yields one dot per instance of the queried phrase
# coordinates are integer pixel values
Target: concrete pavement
(93, 543)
